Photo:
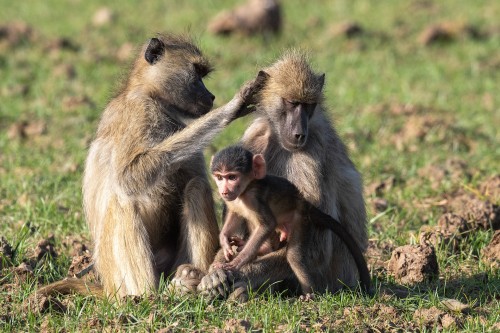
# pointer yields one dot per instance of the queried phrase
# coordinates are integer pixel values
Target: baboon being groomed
(299, 143)
(146, 196)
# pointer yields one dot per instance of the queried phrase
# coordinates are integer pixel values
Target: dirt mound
(478, 213)
(252, 17)
(451, 230)
(81, 267)
(448, 32)
(453, 170)
(491, 253)
(411, 264)
(433, 317)
(16, 32)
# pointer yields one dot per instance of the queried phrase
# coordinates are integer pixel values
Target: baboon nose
(300, 137)
(212, 97)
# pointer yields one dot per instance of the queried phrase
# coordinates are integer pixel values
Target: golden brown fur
(147, 200)
(309, 153)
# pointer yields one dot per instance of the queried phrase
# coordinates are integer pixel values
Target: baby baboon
(146, 196)
(299, 143)
(270, 203)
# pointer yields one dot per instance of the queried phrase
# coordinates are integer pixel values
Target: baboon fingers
(248, 94)
(252, 87)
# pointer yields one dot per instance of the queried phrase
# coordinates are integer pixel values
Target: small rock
(454, 305)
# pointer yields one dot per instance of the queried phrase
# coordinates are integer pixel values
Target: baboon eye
(218, 177)
(292, 103)
(232, 177)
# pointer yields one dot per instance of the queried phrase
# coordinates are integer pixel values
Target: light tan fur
(321, 170)
(146, 196)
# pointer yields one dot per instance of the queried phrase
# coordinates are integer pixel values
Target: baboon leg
(199, 234)
(125, 254)
(199, 225)
(297, 259)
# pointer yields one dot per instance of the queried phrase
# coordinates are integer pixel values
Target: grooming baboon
(146, 196)
(268, 204)
(299, 143)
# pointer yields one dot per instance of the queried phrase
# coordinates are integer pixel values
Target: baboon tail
(71, 286)
(324, 220)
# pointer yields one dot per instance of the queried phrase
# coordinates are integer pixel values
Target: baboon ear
(262, 76)
(321, 80)
(155, 50)
(258, 166)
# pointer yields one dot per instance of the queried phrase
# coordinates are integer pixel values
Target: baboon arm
(179, 146)
(146, 164)
(352, 208)
(230, 227)
(203, 130)
(258, 236)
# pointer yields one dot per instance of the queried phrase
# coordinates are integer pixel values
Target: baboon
(269, 203)
(146, 195)
(299, 143)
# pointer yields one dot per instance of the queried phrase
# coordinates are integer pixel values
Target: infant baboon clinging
(146, 196)
(299, 143)
(268, 204)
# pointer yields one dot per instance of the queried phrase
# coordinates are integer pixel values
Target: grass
(66, 89)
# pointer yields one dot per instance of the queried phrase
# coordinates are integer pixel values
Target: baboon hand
(186, 280)
(227, 249)
(248, 93)
(238, 242)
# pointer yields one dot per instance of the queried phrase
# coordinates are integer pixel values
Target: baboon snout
(300, 138)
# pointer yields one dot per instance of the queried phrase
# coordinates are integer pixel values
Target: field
(420, 116)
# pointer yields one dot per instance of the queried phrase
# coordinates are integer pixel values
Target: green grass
(456, 82)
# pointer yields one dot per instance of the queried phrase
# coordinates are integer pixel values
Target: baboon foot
(218, 283)
(186, 280)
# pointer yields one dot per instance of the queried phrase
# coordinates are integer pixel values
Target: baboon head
(171, 68)
(289, 98)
